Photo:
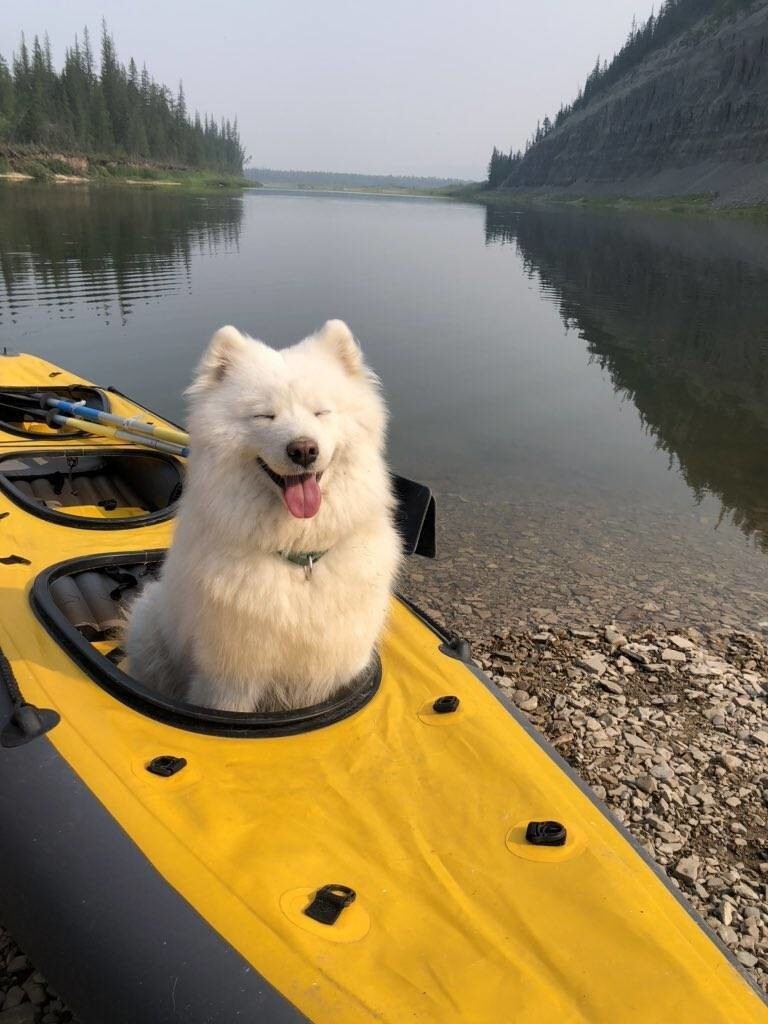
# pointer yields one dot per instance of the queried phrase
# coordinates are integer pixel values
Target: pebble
(744, 958)
(647, 783)
(670, 655)
(682, 643)
(635, 741)
(26, 1014)
(729, 936)
(744, 890)
(13, 996)
(726, 912)
(708, 667)
(611, 686)
(687, 869)
(35, 992)
(595, 663)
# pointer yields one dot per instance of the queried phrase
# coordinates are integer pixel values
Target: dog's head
(299, 416)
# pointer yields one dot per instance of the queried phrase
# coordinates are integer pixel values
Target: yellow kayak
(410, 851)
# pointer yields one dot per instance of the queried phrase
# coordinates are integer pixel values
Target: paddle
(107, 430)
(94, 421)
(131, 424)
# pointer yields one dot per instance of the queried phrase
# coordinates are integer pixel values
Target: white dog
(277, 584)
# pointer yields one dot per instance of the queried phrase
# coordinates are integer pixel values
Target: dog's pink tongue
(302, 496)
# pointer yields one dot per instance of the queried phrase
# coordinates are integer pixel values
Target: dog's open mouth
(301, 491)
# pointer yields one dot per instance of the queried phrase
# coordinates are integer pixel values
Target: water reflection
(107, 248)
(677, 312)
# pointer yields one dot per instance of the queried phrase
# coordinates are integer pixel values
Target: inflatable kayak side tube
(110, 933)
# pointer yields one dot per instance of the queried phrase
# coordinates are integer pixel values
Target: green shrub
(58, 166)
(37, 171)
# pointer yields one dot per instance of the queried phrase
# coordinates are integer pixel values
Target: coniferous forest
(99, 107)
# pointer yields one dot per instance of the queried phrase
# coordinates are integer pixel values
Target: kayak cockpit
(83, 602)
(94, 488)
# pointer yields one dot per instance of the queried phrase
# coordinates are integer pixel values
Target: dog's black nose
(303, 451)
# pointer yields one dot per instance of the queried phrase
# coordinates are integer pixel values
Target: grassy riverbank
(706, 204)
(20, 166)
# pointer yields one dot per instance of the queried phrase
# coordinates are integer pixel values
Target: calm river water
(586, 392)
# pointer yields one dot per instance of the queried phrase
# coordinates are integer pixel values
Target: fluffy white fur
(231, 624)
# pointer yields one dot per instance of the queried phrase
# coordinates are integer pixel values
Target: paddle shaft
(134, 425)
(107, 430)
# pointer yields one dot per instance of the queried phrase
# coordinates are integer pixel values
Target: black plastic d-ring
(546, 833)
(166, 765)
(446, 705)
(328, 903)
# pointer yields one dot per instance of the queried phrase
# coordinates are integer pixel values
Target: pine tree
(6, 98)
(137, 142)
(101, 126)
(88, 56)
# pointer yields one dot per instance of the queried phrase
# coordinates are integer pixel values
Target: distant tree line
(339, 178)
(109, 111)
(674, 18)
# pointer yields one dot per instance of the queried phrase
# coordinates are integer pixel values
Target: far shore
(342, 191)
(706, 204)
(24, 164)
(208, 180)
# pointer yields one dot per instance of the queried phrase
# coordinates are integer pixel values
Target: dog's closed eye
(323, 412)
(263, 415)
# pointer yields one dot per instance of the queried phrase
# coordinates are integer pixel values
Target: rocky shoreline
(668, 727)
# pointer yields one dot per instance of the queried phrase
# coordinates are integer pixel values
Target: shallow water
(585, 391)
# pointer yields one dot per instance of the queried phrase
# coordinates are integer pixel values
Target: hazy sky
(420, 87)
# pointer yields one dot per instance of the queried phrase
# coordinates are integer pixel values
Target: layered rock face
(692, 118)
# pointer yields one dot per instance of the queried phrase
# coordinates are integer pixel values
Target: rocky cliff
(690, 118)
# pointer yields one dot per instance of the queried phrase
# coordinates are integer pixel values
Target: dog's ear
(335, 337)
(223, 352)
